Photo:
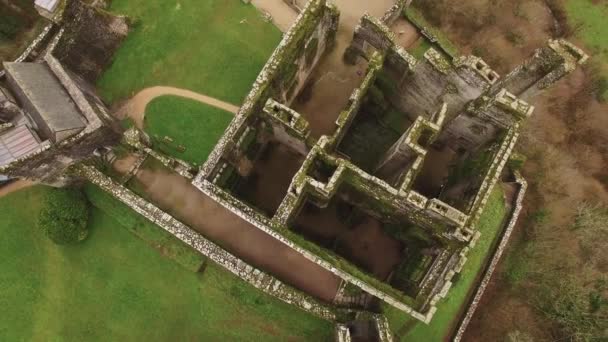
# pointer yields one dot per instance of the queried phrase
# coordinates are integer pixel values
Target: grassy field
(447, 310)
(168, 245)
(589, 19)
(195, 126)
(215, 47)
(114, 287)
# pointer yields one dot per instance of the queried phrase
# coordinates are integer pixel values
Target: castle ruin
(391, 200)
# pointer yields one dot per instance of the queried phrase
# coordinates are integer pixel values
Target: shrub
(517, 161)
(514, 37)
(591, 227)
(567, 301)
(9, 27)
(519, 336)
(601, 88)
(64, 216)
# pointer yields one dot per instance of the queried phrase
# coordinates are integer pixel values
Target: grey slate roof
(17, 142)
(45, 99)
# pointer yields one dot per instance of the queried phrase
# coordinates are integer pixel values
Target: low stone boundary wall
(238, 267)
(495, 259)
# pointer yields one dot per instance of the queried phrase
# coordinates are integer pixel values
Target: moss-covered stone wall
(548, 65)
(284, 74)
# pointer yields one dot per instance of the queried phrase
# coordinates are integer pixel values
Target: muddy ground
(565, 141)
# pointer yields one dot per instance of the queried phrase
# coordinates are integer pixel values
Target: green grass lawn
(422, 46)
(193, 125)
(114, 287)
(215, 47)
(590, 18)
(416, 17)
(167, 244)
(448, 309)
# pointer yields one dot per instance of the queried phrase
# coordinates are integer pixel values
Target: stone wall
(283, 75)
(419, 87)
(365, 282)
(395, 12)
(484, 120)
(492, 177)
(489, 271)
(381, 198)
(238, 267)
(288, 126)
(409, 149)
(50, 164)
(342, 333)
(348, 115)
(548, 65)
(384, 330)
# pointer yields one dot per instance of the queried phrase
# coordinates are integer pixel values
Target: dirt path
(282, 15)
(15, 186)
(185, 202)
(135, 108)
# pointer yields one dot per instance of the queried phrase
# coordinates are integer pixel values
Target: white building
(47, 8)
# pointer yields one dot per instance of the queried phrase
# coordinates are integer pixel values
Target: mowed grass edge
(184, 128)
(115, 287)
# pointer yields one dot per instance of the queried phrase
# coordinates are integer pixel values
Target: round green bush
(64, 216)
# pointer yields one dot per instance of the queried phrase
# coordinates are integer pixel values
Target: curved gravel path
(15, 186)
(135, 108)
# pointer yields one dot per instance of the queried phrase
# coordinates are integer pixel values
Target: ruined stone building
(390, 201)
(50, 120)
(82, 36)
(50, 116)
